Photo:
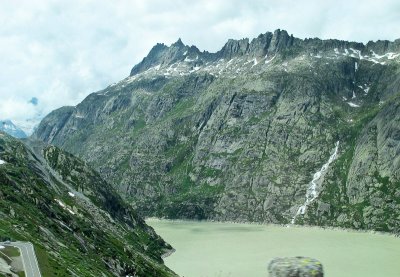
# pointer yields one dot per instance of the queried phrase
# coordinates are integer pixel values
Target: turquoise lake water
(210, 249)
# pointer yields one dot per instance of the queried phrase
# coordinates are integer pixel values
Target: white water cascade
(314, 189)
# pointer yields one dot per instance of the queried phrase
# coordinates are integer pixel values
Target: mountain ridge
(10, 128)
(265, 44)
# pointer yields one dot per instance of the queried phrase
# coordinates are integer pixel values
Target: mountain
(10, 128)
(77, 222)
(30, 124)
(276, 129)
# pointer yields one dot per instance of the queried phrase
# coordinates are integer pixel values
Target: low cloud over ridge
(60, 51)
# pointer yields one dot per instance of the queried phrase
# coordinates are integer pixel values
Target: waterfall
(314, 189)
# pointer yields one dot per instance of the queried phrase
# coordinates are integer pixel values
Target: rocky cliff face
(240, 133)
(79, 225)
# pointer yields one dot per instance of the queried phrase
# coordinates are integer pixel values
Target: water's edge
(168, 253)
(350, 230)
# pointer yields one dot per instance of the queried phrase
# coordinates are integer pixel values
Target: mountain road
(29, 260)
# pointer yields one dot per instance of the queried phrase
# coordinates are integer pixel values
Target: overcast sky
(56, 52)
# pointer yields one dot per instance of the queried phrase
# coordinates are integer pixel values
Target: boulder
(295, 267)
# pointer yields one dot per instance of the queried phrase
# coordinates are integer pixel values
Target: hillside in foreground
(77, 222)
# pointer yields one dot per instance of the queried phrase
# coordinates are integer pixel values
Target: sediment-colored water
(211, 249)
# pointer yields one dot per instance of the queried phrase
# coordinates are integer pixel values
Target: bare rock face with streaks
(239, 134)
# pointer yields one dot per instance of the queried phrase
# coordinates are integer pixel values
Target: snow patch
(270, 60)
(392, 56)
(355, 66)
(9, 127)
(358, 52)
(375, 61)
(228, 63)
(70, 211)
(377, 56)
(351, 104)
(196, 68)
(246, 63)
(62, 205)
(2, 162)
(71, 194)
(187, 59)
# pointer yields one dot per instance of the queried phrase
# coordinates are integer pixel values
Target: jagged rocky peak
(234, 48)
(280, 40)
(258, 47)
(258, 55)
(178, 43)
(384, 46)
(161, 55)
(379, 47)
(316, 44)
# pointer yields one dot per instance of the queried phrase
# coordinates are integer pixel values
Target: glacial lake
(212, 249)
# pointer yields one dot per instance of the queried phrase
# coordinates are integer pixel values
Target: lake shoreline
(168, 253)
(281, 225)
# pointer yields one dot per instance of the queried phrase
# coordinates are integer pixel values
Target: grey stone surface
(295, 267)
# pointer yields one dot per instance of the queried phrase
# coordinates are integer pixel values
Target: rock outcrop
(295, 267)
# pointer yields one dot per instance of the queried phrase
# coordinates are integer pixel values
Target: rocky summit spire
(280, 40)
(162, 55)
(178, 43)
(258, 47)
(155, 54)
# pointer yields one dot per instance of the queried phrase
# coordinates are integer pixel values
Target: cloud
(34, 101)
(16, 109)
(60, 51)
